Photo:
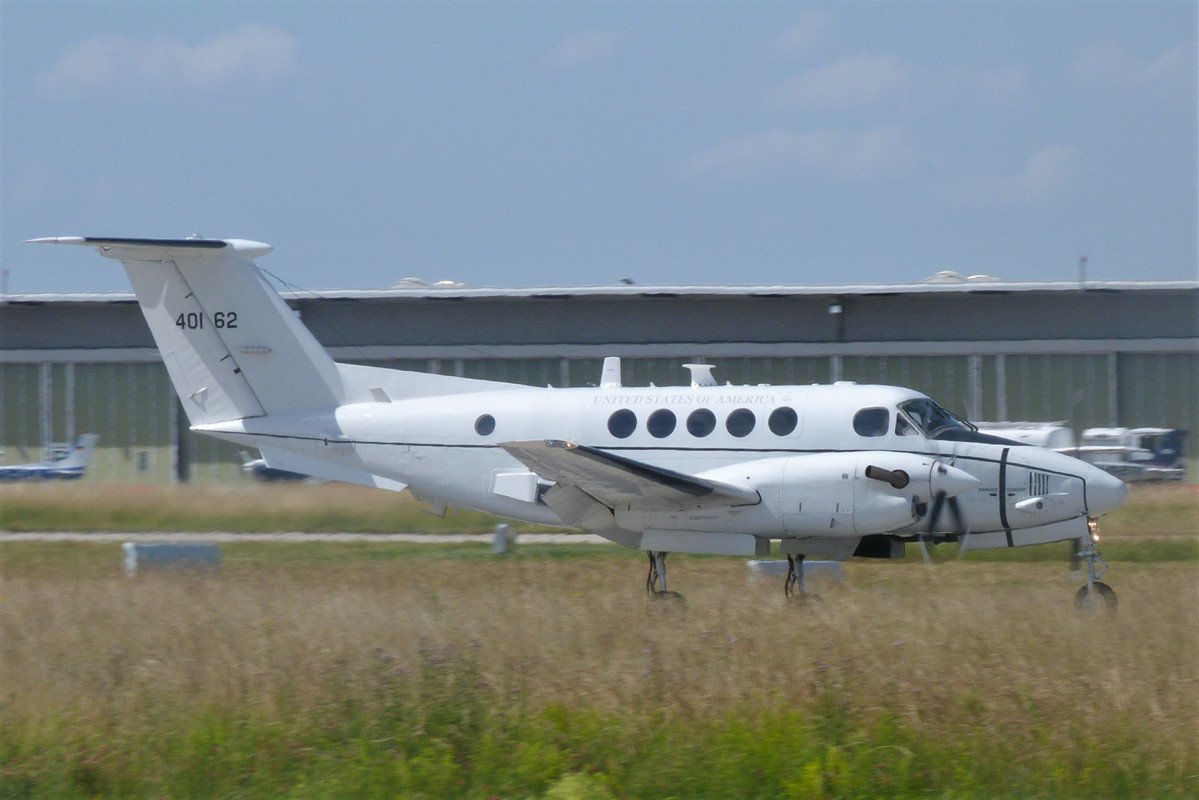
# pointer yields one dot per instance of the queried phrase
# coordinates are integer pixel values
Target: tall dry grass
(1163, 510)
(247, 507)
(990, 659)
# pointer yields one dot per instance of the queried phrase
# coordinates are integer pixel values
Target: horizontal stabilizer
(623, 482)
(289, 461)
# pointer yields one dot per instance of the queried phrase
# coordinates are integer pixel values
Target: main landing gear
(1096, 594)
(655, 581)
(793, 588)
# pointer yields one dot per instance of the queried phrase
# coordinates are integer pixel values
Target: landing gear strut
(794, 587)
(1095, 594)
(655, 581)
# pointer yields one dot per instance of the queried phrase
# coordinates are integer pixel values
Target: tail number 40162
(194, 320)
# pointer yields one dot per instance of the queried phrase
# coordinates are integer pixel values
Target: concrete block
(201, 557)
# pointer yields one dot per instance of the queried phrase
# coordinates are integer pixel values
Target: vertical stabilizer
(232, 346)
(80, 454)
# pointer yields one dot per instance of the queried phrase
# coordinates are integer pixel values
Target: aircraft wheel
(1097, 596)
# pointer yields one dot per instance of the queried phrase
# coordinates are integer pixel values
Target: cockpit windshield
(933, 420)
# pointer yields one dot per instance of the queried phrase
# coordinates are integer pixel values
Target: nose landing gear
(1096, 594)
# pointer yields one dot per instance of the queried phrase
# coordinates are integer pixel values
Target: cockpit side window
(903, 427)
(872, 422)
(933, 420)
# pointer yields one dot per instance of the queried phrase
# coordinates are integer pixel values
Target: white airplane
(828, 471)
(70, 466)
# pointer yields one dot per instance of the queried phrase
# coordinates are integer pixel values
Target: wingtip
(56, 240)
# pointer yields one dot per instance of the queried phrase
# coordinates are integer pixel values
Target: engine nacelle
(842, 494)
(819, 494)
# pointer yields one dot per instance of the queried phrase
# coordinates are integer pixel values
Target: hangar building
(1103, 353)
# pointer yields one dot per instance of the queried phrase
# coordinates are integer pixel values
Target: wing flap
(617, 481)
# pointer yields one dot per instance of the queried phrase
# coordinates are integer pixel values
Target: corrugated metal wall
(132, 407)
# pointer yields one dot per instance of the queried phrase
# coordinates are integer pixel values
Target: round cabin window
(701, 422)
(783, 421)
(622, 423)
(661, 423)
(740, 422)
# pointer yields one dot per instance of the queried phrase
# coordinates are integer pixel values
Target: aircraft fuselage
(803, 448)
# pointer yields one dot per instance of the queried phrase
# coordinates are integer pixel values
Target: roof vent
(412, 282)
(950, 276)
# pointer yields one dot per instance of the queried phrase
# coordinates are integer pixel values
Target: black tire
(1095, 597)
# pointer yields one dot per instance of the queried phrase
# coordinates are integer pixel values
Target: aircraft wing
(616, 481)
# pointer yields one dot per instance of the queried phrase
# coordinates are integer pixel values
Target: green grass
(450, 740)
(250, 508)
(1152, 511)
(320, 670)
(1143, 550)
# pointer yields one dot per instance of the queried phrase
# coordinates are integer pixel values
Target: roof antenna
(610, 378)
(701, 374)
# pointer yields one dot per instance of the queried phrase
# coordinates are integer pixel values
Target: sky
(562, 144)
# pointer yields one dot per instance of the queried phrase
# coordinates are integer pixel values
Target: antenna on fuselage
(610, 378)
(701, 374)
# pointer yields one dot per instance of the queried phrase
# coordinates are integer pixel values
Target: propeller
(947, 482)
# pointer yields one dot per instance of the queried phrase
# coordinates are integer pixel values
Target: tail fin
(80, 454)
(232, 346)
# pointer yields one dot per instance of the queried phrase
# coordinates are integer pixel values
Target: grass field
(386, 670)
(1161, 510)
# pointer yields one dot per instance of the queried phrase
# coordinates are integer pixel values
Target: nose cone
(1104, 492)
(951, 480)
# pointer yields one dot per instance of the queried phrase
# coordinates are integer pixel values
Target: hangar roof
(582, 321)
(636, 290)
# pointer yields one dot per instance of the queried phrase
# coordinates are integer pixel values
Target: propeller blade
(947, 482)
(897, 479)
(961, 525)
(934, 513)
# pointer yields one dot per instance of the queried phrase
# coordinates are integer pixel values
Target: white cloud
(801, 36)
(847, 83)
(883, 152)
(1113, 68)
(864, 81)
(583, 48)
(1046, 173)
(248, 54)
